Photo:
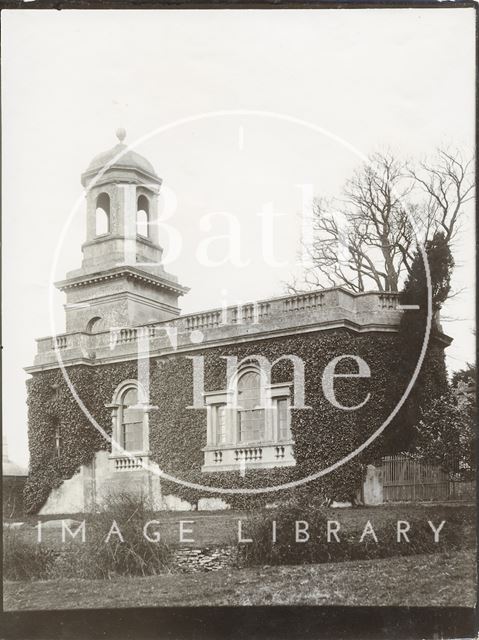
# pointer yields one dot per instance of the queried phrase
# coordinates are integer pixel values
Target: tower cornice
(127, 271)
(125, 174)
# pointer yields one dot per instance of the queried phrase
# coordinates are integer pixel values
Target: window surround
(223, 452)
(117, 448)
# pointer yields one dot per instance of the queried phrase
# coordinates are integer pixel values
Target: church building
(135, 396)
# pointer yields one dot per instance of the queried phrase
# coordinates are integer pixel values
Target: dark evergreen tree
(432, 380)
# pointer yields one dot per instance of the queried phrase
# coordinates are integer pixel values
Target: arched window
(251, 415)
(142, 216)
(93, 325)
(130, 422)
(102, 219)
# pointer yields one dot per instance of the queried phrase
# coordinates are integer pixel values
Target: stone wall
(189, 560)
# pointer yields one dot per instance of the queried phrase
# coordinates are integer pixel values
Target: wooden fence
(407, 480)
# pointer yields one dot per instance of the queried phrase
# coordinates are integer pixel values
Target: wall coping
(282, 316)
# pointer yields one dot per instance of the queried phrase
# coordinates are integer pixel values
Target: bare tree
(447, 184)
(364, 241)
(368, 239)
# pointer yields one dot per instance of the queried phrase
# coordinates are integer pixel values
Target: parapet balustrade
(304, 301)
(202, 320)
(59, 342)
(130, 334)
(63, 341)
(389, 300)
(302, 309)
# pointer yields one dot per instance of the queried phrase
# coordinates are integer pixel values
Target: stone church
(135, 396)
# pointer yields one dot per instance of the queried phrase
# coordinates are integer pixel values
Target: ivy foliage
(52, 406)
(323, 433)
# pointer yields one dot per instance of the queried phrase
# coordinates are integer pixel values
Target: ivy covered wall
(322, 434)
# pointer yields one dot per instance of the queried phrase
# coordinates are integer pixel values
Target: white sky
(378, 79)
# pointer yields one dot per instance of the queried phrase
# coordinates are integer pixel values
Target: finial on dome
(121, 134)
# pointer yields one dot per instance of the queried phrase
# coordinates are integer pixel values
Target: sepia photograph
(238, 317)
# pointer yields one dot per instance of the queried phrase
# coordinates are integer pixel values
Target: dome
(129, 159)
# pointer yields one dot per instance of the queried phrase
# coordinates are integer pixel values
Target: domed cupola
(120, 161)
(122, 280)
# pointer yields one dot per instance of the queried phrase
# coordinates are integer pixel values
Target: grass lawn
(221, 527)
(446, 579)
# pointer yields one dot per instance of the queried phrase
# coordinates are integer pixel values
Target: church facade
(135, 396)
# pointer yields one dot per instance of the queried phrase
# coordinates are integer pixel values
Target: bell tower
(122, 281)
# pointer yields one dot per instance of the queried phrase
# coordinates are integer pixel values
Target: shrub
(24, 559)
(286, 551)
(96, 558)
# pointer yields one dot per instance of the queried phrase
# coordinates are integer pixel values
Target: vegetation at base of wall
(287, 551)
(24, 559)
(96, 557)
(322, 433)
(12, 497)
(132, 556)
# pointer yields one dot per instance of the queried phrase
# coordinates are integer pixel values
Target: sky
(236, 110)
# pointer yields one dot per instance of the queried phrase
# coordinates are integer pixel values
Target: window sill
(263, 455)
(129, 454)
(131, 461)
